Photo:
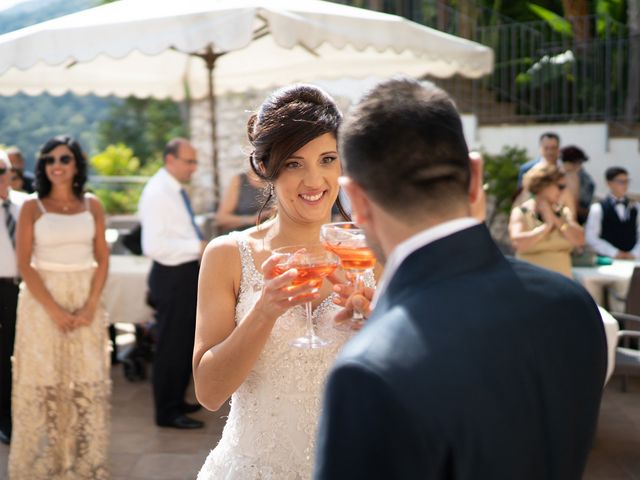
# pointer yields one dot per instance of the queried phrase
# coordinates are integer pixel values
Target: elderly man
(17, 162)
(471, 361)
(171, 238)
(11, 203)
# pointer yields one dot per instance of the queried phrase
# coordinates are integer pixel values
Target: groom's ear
(477, 197)
(360, 203)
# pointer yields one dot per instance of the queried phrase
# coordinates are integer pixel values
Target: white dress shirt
(593, 229)
(168, 236)
(8, 259)
(415, 242)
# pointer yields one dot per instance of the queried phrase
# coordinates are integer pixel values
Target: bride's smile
(307, 186)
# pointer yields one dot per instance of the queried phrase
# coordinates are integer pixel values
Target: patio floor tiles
(140, 450)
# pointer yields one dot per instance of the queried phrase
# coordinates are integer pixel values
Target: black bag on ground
(133, 240)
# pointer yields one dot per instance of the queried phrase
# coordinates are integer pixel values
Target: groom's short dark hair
(404, 144)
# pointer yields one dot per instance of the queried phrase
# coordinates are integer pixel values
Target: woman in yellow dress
(542, 230)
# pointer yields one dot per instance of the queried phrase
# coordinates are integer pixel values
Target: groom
(472, 365)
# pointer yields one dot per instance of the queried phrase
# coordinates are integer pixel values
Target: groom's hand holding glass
(353, 302)
(348, 241)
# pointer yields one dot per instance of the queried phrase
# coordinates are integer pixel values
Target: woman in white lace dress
(246, 318)
(61, 383)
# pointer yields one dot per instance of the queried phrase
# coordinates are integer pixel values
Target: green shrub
(118, 160)
(501, 177)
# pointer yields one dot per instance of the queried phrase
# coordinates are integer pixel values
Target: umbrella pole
(210, 59)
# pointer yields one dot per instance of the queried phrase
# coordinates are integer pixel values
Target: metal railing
(540, 74)
(119, 194)
(546, 76)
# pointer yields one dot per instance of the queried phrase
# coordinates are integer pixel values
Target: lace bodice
(271, 428)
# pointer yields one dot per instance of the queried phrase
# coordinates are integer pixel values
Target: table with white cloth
(615, 277)
(599, 279)
(125, 292)
(611, 329)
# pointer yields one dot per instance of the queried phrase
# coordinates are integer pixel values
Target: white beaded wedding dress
(270, 431)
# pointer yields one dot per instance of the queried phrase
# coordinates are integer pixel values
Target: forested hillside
(27, 122)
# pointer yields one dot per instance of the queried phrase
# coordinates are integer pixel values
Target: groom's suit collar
(462, 251)
(415, 242)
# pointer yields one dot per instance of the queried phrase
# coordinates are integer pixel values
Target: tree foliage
(27, 122)
(555, 21)
(145, 125)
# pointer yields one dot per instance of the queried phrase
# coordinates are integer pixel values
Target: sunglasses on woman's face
(3, 170)
(50, 159)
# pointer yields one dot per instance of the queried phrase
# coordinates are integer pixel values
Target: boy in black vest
(612, 226)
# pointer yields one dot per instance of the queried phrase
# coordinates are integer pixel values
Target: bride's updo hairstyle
(287, 120)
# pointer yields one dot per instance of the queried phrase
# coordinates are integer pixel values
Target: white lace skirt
(61, 388)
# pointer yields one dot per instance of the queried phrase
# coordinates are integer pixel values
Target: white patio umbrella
(195, 48)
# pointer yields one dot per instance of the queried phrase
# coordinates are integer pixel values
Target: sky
(4, 4)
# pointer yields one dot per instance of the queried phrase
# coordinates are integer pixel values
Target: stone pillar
(233, 112)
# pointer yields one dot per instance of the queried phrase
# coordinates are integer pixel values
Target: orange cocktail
(307, 274)
(313, 263)
(353, 258)
(348, 241)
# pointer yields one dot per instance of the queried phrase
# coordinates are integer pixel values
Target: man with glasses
(172, 239)
(549, 154)
(11, 202)
(17, 163)
(612, 227)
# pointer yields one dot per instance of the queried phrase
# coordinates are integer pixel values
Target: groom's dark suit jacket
(473, 366)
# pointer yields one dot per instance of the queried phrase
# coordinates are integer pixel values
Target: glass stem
(358, 286)
(310, 331)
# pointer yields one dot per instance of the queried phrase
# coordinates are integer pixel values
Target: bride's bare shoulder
(221, 254)
(255, 238)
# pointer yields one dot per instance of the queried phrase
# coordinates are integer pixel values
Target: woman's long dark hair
(287, 120)
(42, 182)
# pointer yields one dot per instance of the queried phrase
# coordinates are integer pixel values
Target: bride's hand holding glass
(279, 294)
(311, 264)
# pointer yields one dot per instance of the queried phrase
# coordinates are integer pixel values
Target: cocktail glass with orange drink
(313, 263)
(348, 241)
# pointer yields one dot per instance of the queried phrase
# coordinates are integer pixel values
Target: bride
(245, 316)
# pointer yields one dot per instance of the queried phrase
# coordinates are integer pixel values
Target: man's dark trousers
(8, 306)
(174, 291)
